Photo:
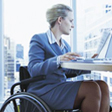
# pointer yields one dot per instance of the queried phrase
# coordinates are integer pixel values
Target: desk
(87, 66)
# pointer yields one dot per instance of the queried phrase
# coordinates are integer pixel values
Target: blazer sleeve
(73, 73)
(37, 64)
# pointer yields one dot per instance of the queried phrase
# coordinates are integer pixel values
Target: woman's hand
(69, 56)
(94, 55)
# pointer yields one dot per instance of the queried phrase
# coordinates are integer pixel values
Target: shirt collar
(52, 39)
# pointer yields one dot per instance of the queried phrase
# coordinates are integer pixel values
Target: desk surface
(87, 66)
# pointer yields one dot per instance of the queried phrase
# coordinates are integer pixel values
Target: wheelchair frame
(21, 99)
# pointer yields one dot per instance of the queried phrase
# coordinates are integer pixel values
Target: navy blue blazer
(43, 61)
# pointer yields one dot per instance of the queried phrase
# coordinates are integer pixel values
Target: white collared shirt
(52, 39)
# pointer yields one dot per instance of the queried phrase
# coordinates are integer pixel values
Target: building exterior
(13, 59)
(93, 17)
(19, 56)
(19, 51)
(9, 63)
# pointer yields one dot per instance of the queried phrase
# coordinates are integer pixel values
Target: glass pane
(22, 19)
(93, 17)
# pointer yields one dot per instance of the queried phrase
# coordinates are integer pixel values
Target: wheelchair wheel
(24, 102)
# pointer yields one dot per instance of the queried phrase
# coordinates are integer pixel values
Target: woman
(46, 52)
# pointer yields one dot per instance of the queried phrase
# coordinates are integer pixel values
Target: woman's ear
(59, 20)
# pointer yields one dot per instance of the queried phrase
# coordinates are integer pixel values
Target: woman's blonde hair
(59, 10)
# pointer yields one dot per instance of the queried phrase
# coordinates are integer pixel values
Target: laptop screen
(109, 49)
(105, 46)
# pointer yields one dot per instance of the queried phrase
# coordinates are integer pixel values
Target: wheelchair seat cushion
(62, 96)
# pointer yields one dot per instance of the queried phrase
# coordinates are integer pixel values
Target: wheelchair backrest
(25, 78)
(24, 74)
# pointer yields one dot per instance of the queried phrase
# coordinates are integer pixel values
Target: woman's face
(67, 24)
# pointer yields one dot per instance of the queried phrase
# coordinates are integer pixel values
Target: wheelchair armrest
(32, 79)
(27, 81)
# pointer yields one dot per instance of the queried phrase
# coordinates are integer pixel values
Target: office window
(110, 81)
(105, 79)
(21, 22)
(22, 19)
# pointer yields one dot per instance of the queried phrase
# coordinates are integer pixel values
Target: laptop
(104, 50)
(105, 46)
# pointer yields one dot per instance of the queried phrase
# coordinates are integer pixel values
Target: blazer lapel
(56, 49)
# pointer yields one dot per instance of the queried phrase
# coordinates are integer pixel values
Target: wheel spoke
(24, 102)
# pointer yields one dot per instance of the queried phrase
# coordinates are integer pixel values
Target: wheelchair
(22, 101)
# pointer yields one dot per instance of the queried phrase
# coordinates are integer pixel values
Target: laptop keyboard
(94, 60)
